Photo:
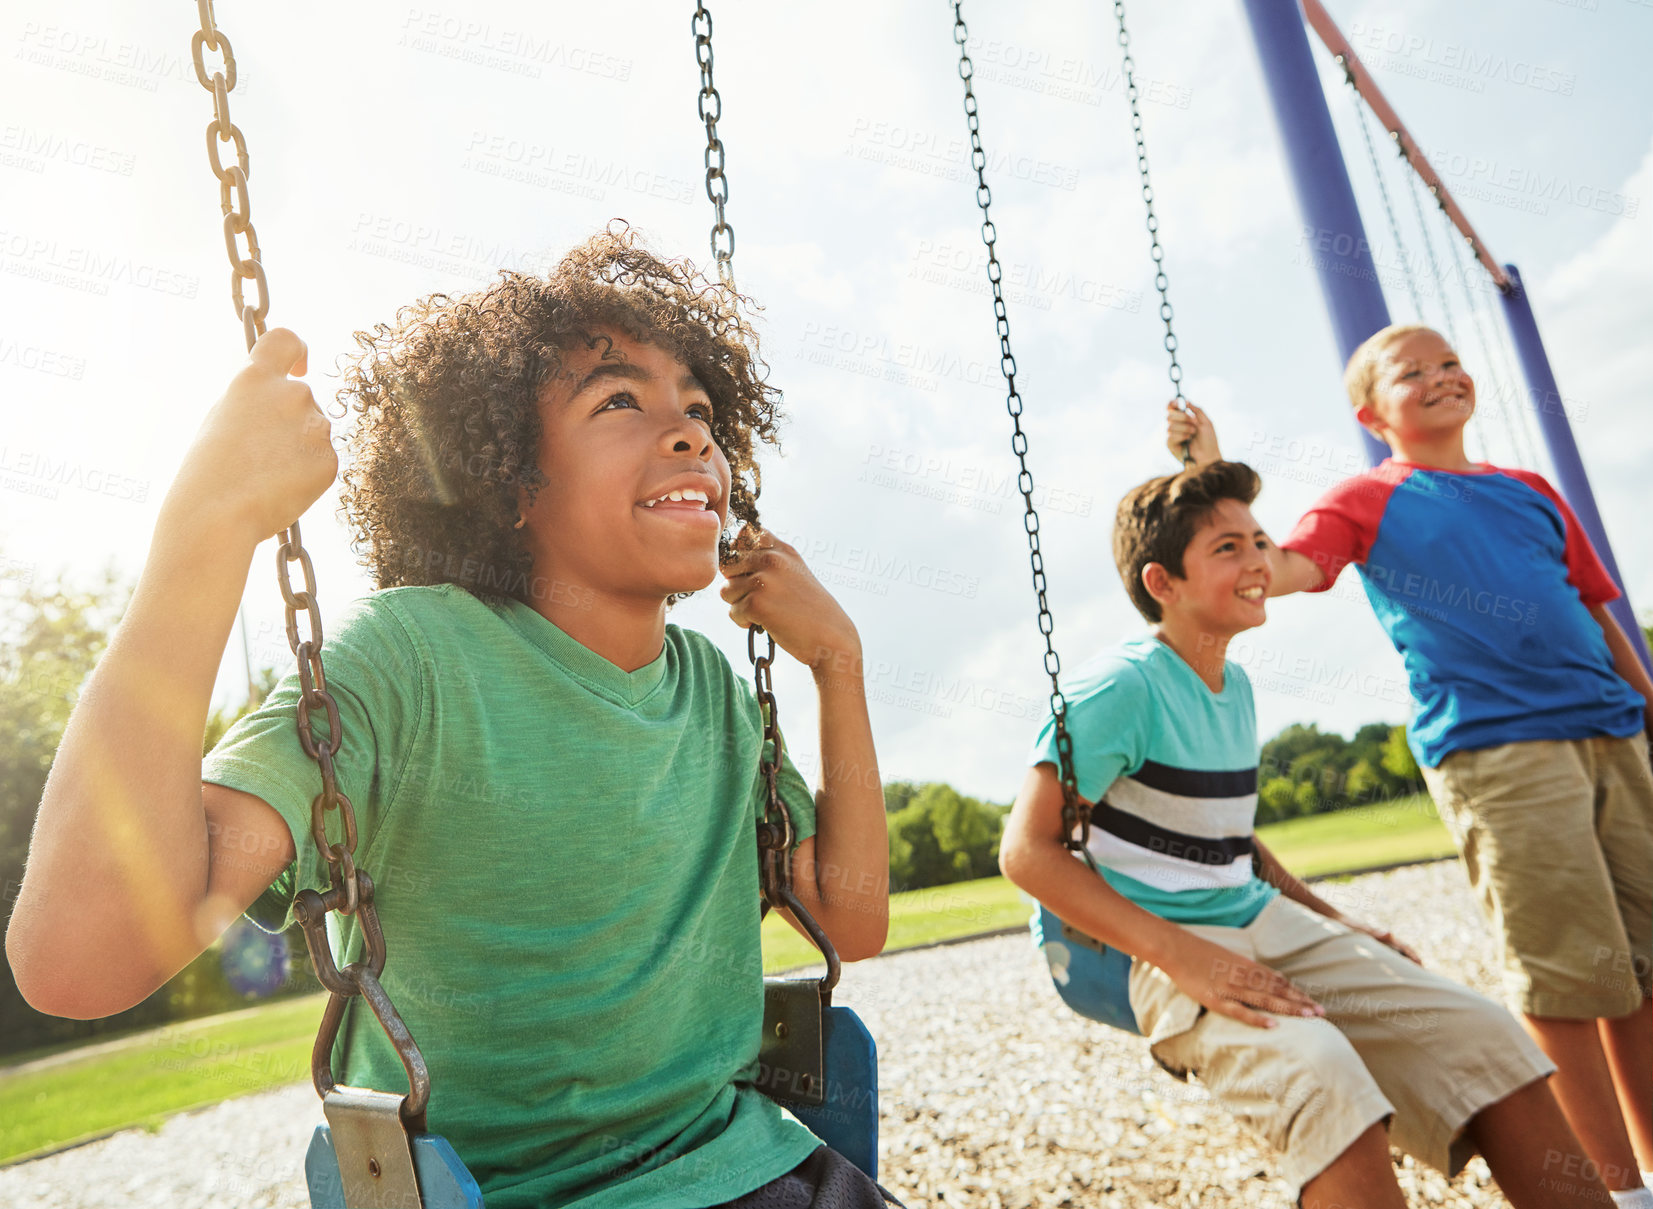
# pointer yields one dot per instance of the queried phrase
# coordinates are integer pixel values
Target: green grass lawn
(1404, 830)
(146, 1077)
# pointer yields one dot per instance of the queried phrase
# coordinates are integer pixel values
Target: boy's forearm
(1277, 875)
(852, 850)
(1626, 662)
(1053, 876)
(118, 861)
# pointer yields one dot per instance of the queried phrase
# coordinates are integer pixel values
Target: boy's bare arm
(129, 874)
(1277, 875)
(1191, 430)
(841, 874)
(1625, 660)
(1282, 879)
(1032, 856)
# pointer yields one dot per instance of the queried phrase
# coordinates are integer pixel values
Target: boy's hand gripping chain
(351, 891)
(1075, 818)
(775, 834)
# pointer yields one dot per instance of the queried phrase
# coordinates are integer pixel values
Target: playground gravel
(992, 1095)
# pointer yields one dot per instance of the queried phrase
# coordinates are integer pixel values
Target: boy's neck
(1199, 648)
(1445, 452)
(628, 632)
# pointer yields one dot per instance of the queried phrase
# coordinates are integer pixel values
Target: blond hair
(1360, 375)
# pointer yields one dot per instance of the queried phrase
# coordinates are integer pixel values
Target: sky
(400, 150)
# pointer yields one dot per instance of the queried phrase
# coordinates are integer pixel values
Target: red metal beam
(1321, 22)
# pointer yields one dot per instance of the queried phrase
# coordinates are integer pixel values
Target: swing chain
(1074, 817)
(232, 181)
(1161, 282)
(351, 889)
(717, 183)
(775, 833)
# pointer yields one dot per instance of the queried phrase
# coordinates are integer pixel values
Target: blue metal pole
(1558, 437)
(1334, 239)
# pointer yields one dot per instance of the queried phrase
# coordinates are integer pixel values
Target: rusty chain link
(232, 181)
(717, 182)
(351, 890)
(1074, 817)
(775, 831)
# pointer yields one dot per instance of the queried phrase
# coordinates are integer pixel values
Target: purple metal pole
(1547, 404)
(1333, 236)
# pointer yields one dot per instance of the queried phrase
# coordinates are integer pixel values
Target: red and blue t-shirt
(1484, 580)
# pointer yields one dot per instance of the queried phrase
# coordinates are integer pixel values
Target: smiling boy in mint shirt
(1321, 1033)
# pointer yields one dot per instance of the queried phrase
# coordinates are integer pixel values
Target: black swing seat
(820, 1063)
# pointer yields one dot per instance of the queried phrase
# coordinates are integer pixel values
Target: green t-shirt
(566, 871)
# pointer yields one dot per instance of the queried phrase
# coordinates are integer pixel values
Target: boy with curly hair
(556, 791)
(1321, 1033)
(1531, 719)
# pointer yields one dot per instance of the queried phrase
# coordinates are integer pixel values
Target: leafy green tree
(1398, 758)
(897, 794)
(51, 636)
(1364, 783)
(1275, 800)
(943, 836)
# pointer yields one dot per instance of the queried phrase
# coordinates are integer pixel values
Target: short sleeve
(1108, 723)
(1585, 570)
(1341, 527)
(373, 675)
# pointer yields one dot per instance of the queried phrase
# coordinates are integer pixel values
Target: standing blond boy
(1530, 719)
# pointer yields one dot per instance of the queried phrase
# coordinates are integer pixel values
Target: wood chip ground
(993, 1095)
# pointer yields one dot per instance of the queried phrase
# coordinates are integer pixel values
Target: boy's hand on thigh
(1231, 984)
(1384, 936)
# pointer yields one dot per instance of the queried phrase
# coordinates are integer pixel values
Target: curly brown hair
(449, 425)
(1158, 519)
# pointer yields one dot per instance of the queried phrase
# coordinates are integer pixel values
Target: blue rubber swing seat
(841, 1110)
(1092, 979)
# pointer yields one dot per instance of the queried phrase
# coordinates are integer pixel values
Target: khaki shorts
(1398, 1043)
(1557, 837)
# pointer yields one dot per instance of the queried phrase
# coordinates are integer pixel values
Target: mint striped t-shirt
(1171, 768)
(565, 862)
